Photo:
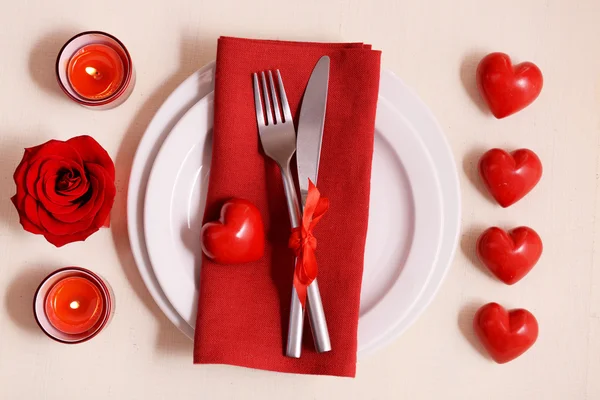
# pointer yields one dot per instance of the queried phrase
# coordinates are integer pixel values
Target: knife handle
(316, 314)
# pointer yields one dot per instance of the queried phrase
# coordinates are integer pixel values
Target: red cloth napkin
(243, 310)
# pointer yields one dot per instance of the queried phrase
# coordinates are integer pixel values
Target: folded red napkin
(243, 310)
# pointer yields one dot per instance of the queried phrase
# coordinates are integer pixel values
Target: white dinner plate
(188, 93)
(405, 218)
(391, 89)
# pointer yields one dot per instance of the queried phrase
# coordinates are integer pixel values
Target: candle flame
(74, 305)
(91, 71)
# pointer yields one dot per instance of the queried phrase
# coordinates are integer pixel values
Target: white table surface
(434, 47)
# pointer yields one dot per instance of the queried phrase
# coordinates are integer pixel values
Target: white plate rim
(164, 173)
(396, 92)
(188, 93)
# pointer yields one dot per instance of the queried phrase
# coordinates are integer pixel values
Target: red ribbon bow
(304, 243)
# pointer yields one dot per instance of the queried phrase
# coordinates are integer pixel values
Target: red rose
(65, 190)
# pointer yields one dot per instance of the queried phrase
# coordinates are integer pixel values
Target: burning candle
(95, 70)
(73, 305)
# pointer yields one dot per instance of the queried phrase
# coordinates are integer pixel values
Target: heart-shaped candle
(509, 177)
(237, 237)
(505, 334)
(507, 89)
(510, 256)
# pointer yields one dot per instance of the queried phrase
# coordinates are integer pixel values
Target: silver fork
(278, 138)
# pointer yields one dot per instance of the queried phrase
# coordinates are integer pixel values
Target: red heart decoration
(505, 334)
(509, 177)
(238, 236)
(510, 256)
(507, 89)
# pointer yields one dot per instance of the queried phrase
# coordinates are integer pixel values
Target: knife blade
(310, 126)
(308, 155)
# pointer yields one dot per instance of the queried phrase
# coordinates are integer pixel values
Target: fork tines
(271, 101)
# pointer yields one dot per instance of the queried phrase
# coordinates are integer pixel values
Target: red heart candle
(509, 255)
(238, 236)
(506, 88)
(509, 177)
(95, 70)
(73, 305)
(505, 334)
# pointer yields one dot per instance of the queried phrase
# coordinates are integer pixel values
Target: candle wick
(93, 72)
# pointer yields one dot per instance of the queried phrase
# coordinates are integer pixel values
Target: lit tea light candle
(73, 305)
(95, 70)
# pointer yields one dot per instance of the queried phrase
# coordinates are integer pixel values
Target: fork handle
(296, 321)
(291, 196)
(315, 306)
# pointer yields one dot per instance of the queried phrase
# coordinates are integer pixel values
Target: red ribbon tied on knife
(304, 243)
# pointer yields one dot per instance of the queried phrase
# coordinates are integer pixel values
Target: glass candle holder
(73, 305)
(95, 70)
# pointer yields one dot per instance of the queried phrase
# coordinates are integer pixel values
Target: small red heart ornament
(509, 256)
(505, 334)
(507, 89)
(237, 237)
(509, 177)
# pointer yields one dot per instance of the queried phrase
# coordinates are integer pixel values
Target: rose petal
(66, 197)
(24, 220)
(44, 189)
(57, 165)
(31, 177)
(19, 178)
(75, 190)
(56, 227)
(60, 241)
(109, 200)
(49, 191)
(34, 178)
(103, 215)
(19, 198)
(55, 149)
(30, 208)
(34, 172)
(31, 151)
(105, 199)
(96, 209)
(51, 171)
(19, 175)
(68, 182)
(91, 152)
(52, 149)
(82, 210)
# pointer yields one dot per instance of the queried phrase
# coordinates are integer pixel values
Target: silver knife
(308, 154)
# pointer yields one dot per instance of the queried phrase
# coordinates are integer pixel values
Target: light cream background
(434, 47)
